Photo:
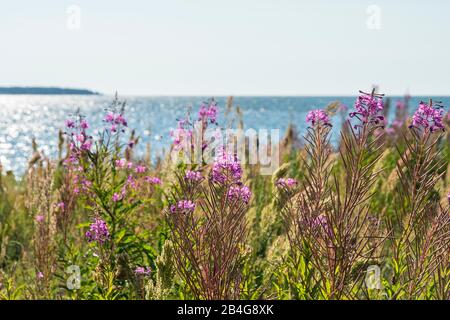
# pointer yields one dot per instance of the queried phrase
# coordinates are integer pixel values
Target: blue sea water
(23, 117)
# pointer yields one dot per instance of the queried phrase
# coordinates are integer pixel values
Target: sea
(24, 117)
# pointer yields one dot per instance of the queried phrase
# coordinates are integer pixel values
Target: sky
(227, 47)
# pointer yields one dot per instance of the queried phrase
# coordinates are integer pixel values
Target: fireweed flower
(98, 231)
(142, 271)
(428, 117)
(123, 164)
(208, 112)
(318, 117)
(368, 108)
(140, 169)
(116, 197)
(286, 183)
(183, 206)
(78, 137)
(84, 124)
(226, 168)
(182, 135)
(70, 123)
(193, 175)
(153, 180)
(243, 193)
(61, 206)
(109, 117)
(115, 120)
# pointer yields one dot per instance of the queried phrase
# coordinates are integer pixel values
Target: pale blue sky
(218, 47)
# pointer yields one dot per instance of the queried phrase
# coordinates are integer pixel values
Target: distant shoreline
(46, 90)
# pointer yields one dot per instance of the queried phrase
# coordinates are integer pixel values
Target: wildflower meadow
(364, 218)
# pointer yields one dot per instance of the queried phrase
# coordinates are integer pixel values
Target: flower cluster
(193, 175)
(226, 168)
(123, 164)
(286, 183)
(142, 271)
(80, 183)
(98, 231)
(76, 130)
(208, 112)
(368, 108)
(140, 169)
(182, 135)
(240, 193)
(318, 117)
(153, 180)
(427, 117)
(183, 205)
(115, 120)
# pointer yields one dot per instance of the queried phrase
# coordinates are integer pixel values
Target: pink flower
(140, 169)
(226, 168)
(98, 231)
(119, 119)
(240, 193)
(86, 146)
(40, 218)
(109, 117)
(286, 183)
(121, 163)
(130, 182)
(61, 205)
(81, 137)
(40, 275)
(70, 123)
(193, 175)
(115, 120)
(428, 118)
(183, 206)
(317, 117)
(208, 112)
(368, 108)
(143, 271)
(153, 180)
(116, 197)
(84, 124)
